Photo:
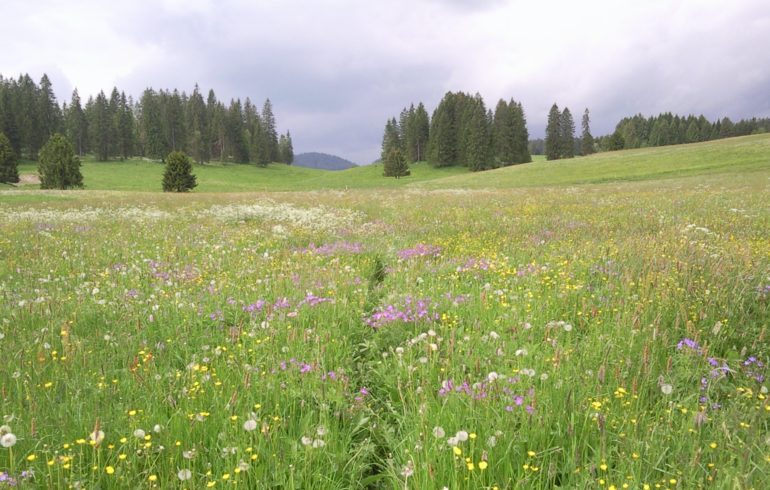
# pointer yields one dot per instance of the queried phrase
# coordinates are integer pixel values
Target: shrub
(59, 167)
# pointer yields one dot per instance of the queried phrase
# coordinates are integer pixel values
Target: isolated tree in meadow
(586, 139)
(395, 164)
(178, 176)
(567, 134)
(553, 134)
(390, 138)
(59, 167)
(9, 162)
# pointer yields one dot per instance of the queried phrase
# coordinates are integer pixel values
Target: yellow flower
(472, 435)
(226, 476)
(457, 450)
(613, 487)
(603, 467)
(81, 441)
(153, 477)
(122, 457)
(531, 454)
(31, 457)
(123, 440)
(234, 418)
(132, 413)
(713, 445)
(210, 484)
(470, 466)
(483, 465)
(672, 481)
(110, 470)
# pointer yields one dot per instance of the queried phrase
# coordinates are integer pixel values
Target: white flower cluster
(7, 439)
(315, 218)
(315, 443)
(84, 214)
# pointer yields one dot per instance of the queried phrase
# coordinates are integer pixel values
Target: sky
(336, 70)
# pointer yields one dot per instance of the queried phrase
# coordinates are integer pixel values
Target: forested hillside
(322, 161)
(152, 126)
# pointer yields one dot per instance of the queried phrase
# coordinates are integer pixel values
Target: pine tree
(553, 134)
(29, 119)
(395, 164)
(271, 131)
(59, 167)
(586, 140)
(173, 120)
(124, 128)
(567, 134)
(9, 162)
(236, 133)
(178, 176)
(77, 126)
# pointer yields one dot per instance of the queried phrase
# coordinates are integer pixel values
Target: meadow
(594, 336)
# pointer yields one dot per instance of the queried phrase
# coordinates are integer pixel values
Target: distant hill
(322, 161)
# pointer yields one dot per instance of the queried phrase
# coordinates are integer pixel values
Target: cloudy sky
(335, 70)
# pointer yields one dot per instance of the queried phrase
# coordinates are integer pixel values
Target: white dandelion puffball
(157, 428)
(8, 440)
(543, 377)
(306, 441)
(492, 441)
(318, 443)
(452, 441)
(4, 429)
(568, 328)
(526, 326)
(438, 432)
(522, 352)
(494, 335)
(97, 436)
(250, 425)
(492, 376)
(139, 433)
(321, 431)
(461, 436)
(667, 389)
(184, 474)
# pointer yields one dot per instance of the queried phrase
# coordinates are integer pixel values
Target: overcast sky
(336, 70)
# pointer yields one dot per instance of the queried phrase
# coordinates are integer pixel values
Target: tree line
(461, 131)
(160, 122)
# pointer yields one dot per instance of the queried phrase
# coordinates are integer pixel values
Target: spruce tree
(390, 139)
(156, 144)
(617, 142)
(287, 150)
(178, 176)
(521, 152)
(8, 117)
(236, 133)
(29, 119)
(586, 140)
(49, 112)
(395, 164)
(567, 134)
(271, 131)
(76, 124)
(124, 128)
(503, 141)
(199, 140)
(101, 128)
(477, 138)
(693, 132)
(553, 134)
(9, 162)
(442, 150)
(59, 167)
(421, 133)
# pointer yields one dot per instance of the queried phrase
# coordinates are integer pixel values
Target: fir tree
(101, 128)
(693, 132)
(29, 119)
(50, 116)
(156, 145)
(442, 149)
(173, 119)
(59, 167)
(8, 116)
(178, 176)
(271, 131)
(586, 140)
(286, 149)
(617, 142)
(390, 138)
(199, 140)
(477, 138)
(420, 133)
(520, 133)
(9, 162)
(395, 164)
(124, 128)
(503, 140)
(567, 134)
(76, 124)
(236, 133)
(553, 134)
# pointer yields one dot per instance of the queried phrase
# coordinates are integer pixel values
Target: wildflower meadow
(601, 337)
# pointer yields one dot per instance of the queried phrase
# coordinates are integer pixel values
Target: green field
(598, 323)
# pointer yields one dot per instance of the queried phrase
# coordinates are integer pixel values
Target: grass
(603, 336)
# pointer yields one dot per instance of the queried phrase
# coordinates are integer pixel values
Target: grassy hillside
(735, 158)
(735, 155)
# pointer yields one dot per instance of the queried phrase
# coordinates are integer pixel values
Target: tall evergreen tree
(693, 132)
(125, 128)
(236, 133)
(477, 138)
(520, 133)
(420, 134)
(77, 126)
(27, 104)
(173, 118)
(442, 149)
(271, 131)
(567, 134)
(101, 128)
(503, 138)
(286, 149)
(586, 139)
(8, 116)
(395, 164)
(390, 139)
(156, 144)
(553, 135)
(197, 121)
(9, 162)
(50, 116)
